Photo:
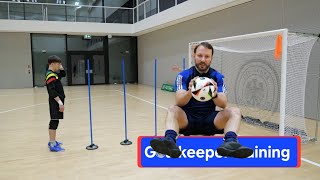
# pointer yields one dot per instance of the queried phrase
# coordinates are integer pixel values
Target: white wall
(15, 50)
(56, 27)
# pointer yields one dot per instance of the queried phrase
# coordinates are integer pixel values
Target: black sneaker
(166, 147)
(234, 149)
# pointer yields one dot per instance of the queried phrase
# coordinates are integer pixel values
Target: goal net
(265, 75)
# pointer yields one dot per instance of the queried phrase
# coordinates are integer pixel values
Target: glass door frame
(86, 54)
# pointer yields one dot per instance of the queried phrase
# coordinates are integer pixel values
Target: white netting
(299, 49)
(253, 77)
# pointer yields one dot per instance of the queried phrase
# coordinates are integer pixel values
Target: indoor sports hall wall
(312, 99)
(15, 60)
(170, 45)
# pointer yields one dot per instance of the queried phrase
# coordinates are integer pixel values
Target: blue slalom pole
(125, 141)
(91, 146)
(155, 97)
(89, 95)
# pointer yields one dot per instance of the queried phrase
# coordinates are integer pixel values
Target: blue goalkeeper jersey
(197, 109)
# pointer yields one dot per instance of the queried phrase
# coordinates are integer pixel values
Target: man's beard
(202, 67)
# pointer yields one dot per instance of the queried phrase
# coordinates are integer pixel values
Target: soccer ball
(202, 89)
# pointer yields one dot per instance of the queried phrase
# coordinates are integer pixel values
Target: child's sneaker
(56, 148)
(60, 143)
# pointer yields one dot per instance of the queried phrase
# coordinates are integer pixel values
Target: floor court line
(303, 159)
(76, 92)
(25, 107)
(143, 100)
(310, 162)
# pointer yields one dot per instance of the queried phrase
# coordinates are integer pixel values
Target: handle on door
(90, 71)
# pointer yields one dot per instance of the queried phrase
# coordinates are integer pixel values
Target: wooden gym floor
(24, 153)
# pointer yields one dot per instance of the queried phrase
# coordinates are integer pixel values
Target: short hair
(204, 44)
(54, 59)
